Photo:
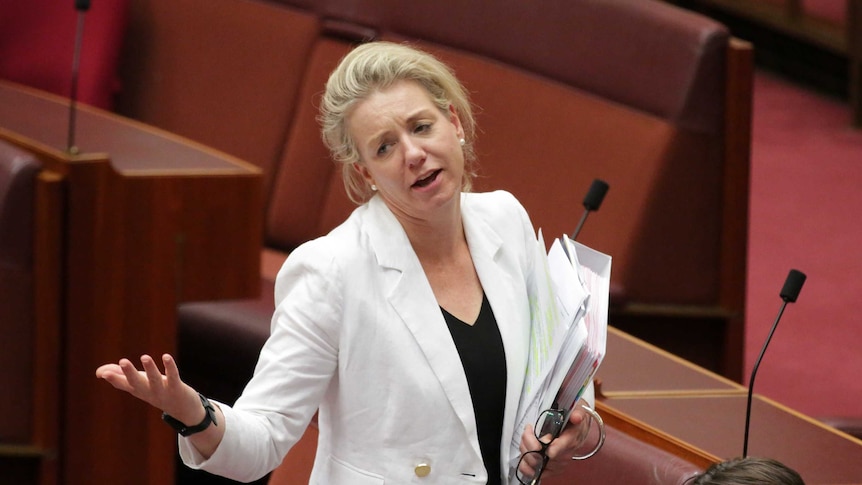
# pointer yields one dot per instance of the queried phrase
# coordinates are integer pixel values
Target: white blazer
(358, 334)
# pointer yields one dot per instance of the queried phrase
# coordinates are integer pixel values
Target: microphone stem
(73, 94)
(754, 374)
(580, 225)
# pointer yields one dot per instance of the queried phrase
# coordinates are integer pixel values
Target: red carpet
(806, 213)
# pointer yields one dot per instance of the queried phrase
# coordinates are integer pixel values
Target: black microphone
(592, 201)
(789, 293)
(81, 6)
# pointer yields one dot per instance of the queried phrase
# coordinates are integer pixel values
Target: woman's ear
(455, 120)
(363, 171)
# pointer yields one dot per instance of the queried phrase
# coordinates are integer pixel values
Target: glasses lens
(549, 425)
(535, 460)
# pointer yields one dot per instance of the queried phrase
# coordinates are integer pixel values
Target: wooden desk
(634, 367)
(700, 416)
(149, 220)
(715, 425)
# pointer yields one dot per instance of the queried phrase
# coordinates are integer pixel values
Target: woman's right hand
(166, 392)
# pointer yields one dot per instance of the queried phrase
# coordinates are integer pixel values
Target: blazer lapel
(412, 298)
(486, 246)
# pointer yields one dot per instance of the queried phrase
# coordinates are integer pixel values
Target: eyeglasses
(548, 427)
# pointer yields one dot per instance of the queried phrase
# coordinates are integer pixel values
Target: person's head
(749, 471)
(375, 67)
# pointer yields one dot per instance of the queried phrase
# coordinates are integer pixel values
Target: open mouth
(424, 182)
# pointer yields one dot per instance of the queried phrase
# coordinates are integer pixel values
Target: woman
(407, 326)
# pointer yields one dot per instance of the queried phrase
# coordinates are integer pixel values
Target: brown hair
(749, 471)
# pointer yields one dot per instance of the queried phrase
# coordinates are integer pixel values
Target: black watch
(184, 430)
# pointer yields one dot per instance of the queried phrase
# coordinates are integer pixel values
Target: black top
(481, 349)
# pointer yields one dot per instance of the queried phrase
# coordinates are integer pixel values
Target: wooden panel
(699, 416)
(653, 435)
(160, 221)
(209, 194)
(715, 426)
(736, 176)
(680, 408)
(634, 367)
(47, 346)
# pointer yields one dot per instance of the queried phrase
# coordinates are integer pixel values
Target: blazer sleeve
(293, 371)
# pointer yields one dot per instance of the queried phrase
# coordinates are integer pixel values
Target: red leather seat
(18, 171)
(624, 459)
(37, 40)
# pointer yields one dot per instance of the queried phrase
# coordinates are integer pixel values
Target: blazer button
(422, 470)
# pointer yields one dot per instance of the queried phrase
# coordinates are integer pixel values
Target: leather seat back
(37, 42)
(18, 171)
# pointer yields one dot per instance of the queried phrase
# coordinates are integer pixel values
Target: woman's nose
(414, 153)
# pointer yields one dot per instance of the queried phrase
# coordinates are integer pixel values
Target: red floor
(806, 213)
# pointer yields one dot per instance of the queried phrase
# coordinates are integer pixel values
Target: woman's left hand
(563, 447)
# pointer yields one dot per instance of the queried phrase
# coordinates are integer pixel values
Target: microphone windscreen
(82, 5)
(792, 286)
(595, 195)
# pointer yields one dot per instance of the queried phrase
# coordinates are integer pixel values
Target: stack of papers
(569, 294)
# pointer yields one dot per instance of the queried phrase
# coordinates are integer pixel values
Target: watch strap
(183, 429)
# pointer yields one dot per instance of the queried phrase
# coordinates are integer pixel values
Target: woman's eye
(383, 149)
(422, 128)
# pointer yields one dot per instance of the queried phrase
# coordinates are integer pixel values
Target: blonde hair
(374, 66)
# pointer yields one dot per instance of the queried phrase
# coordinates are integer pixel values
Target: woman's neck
(437, 239)
(437, 242)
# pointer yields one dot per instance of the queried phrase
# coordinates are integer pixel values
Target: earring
(462, 141)
(373, 188)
